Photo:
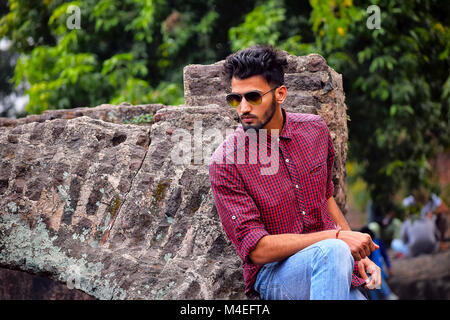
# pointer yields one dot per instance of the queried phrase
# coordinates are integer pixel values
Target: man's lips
(247, 119)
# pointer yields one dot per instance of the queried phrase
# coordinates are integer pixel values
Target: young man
(285, 225)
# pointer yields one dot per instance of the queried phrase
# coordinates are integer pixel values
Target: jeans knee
(337, 252)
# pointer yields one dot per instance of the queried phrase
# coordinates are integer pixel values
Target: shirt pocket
(315, 184)
(317, 168)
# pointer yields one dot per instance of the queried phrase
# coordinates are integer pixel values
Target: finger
(369, 245)
(367, 251)
(362, 271)
(376, 278)
(373, 246)
(374, 281)
(356, 255)
(363, 253)
(371, 284)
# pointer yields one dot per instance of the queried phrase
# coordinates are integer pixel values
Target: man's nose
(245, 106)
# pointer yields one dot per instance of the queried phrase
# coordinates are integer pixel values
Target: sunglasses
(252, 97)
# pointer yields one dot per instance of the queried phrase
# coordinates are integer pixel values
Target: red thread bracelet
(337, 233)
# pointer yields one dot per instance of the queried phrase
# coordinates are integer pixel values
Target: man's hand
(367, 266)
(361, 244)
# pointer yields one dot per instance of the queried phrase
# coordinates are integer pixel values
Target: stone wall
(90, 201)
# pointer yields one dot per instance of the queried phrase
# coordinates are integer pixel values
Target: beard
(267, 116)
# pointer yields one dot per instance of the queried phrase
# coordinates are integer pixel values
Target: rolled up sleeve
(237, 211)
(330, 166)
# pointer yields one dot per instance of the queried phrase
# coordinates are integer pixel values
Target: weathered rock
(114, 209)
(422, 278)
(105, 112)
(96, 205)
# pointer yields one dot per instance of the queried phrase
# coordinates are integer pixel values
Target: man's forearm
(336, 214)
(271, 248)
(277, 247)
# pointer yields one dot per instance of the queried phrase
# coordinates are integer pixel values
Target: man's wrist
(330, 234)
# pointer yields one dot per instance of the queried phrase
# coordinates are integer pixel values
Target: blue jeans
(322, 271)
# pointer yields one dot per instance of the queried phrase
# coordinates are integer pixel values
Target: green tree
(124, 50)
(396, 79)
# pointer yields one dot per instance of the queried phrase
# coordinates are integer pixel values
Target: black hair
(257, 60)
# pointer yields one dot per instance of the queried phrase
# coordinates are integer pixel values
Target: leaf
(61, 11)
(393, 110)
(116, 61)
(260, 26)
(389, 169)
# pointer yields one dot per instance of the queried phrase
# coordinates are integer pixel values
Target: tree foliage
(396, 78)
(124, 50)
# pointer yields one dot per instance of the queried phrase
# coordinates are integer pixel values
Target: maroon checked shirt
(288, 194)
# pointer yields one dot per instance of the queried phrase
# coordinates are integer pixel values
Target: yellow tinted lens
(234, 100)
(253, 97)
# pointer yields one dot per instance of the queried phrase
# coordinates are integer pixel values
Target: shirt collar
(286, 131)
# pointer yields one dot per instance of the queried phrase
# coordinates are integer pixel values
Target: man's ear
(280, 94)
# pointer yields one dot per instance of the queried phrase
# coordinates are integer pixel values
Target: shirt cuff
(250, 241)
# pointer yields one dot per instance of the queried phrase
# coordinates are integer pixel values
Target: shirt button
(296, 186)
(287, 160)
(233, 217)
(303, 212)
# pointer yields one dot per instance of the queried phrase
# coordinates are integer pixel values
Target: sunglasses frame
(241, 96)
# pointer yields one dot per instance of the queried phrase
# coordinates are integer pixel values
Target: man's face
(254, 116)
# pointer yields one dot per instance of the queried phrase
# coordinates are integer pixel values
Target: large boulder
(95, 204)
(422, 278)
(125, 211)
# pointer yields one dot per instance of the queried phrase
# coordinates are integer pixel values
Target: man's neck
(277, 121)
(283, 113)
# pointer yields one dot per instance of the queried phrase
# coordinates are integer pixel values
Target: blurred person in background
(438, 209)
(419, 233)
